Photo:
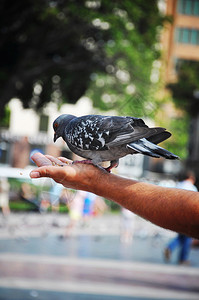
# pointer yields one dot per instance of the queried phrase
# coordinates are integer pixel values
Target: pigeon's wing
(94, 132)
(131, 129)
(87, 133)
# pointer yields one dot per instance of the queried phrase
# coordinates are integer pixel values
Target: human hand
(76, 176)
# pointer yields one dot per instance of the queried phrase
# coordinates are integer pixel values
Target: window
(185, 33)
(187, 36)
(194, 37)
(188, 7)
(43, 125)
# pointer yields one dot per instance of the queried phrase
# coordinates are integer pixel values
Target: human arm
(170, 208)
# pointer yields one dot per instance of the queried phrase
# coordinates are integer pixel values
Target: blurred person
(159, 205)
(21, 152)
(4, 196)
(182, 241)
(93, 206)
(75, 212)
(44, 202)
(127, 225)
(28, 195)
(88, 207)
(99, 206)
(55, 195)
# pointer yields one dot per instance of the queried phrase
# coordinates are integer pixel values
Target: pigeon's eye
(55, 125)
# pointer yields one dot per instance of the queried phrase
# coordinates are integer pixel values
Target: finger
(56, 161)
(65, 160)
(47, 171)
(40, 159)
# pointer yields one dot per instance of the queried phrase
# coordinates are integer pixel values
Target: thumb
(45, 171)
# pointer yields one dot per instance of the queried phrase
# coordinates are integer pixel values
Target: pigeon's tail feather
(160, 137)
(146, 147)
(136, 146)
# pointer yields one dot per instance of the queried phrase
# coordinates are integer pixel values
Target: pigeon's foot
(114, 164)
(89, 162)
(86, 162)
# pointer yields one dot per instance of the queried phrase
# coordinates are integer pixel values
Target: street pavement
(91, 263)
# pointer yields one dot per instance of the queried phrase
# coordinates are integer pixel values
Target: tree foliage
(55, 50)
(186, 90)
(178, 143)
(186, 97)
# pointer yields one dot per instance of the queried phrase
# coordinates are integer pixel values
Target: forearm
(169, 208)
(173, 209)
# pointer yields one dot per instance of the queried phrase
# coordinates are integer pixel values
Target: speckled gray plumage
(108, 138)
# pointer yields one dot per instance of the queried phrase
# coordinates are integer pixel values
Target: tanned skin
(170, 208)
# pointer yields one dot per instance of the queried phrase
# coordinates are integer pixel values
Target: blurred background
(137, 58)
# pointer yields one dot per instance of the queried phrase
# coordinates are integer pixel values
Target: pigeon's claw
(85, 161)
(114, 164)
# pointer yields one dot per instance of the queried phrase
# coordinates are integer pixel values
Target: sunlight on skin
(62, 170)
(170, 208)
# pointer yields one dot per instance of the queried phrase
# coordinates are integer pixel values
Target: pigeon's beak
(55, 137)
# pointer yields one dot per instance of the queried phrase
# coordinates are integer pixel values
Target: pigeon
(100, 138)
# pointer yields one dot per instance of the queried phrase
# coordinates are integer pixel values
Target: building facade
(181, 37)
(181, 44)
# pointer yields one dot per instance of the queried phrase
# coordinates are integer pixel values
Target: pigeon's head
(60, 124)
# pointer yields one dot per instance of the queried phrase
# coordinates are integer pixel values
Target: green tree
(186, 97)
(179, 127)
(186, 89)
(55, 50)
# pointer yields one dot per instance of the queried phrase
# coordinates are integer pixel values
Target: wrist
(97, 180)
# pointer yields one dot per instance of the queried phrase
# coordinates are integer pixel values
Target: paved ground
(90, 264)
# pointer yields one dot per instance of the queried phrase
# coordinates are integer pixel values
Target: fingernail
(35, 174)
